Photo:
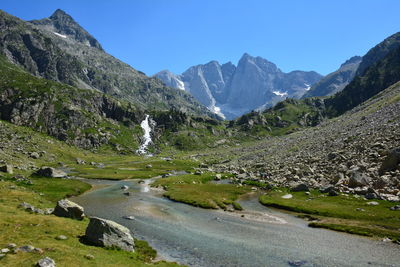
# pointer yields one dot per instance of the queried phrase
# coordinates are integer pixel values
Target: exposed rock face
(50, 172)
(69, 209)
(254, 83)
(170, 79)
(335, 81)
(107, 233)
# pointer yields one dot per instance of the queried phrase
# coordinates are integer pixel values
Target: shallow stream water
(199, 237)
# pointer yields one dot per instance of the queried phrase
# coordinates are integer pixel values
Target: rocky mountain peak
(65, 26)
(59, 13)
(352, 60)
(260, 62)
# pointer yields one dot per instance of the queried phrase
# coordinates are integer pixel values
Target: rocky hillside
(255, 83)
(335, 81)
(58, 49)
(85, 118)
(346, 153)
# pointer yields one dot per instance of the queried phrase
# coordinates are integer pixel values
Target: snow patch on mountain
(279, 93)
(60, 35)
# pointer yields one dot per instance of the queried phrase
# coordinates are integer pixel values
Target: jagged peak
(59, 13)
(64, 24)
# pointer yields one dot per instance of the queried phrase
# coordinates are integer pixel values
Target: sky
(153, 35)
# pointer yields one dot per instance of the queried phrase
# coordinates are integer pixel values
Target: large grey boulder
(299, 188)
(69, 209)
(7, 169)
(107, 233)
(391, 162)
(50, 172)
(358, 178)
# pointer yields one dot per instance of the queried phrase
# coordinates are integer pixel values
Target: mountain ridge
(255, 83)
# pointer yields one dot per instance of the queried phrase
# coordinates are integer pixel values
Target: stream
(199, 237)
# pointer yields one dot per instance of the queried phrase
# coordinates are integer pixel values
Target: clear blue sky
(152, 35)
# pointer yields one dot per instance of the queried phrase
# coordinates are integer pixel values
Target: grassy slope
(340, 212)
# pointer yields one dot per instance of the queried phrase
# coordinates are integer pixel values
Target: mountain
(355, 66)
(335, 81)
(64, 26)
(292, 115)
(377, 77)
(255, 83)
(59, 49)
(378, 52)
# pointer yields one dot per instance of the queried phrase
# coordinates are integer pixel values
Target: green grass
(55, 189)
(340, 212)
(131, 167)
(23, 228)
(196, 190)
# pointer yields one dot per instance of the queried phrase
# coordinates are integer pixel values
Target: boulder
(107, 233)
(299, 188)
(397, 207)
(358, 178)
(391, 162)
(218, 177)
(69, 209)
(46, 262)
(34, 155)
(50, 172)
(7, 169)
(80, 161)
(327, 189)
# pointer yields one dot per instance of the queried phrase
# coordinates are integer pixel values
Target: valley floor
(326, 155)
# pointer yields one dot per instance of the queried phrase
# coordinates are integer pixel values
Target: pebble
(46, 262)
(397, 207)
(89, 256)
(11, 245)
(372, 203)
(61, 237)
(287, 196)
(5, 250)
(27, 248)
(38, 250)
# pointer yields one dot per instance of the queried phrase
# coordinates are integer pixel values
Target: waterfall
(145, 124)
